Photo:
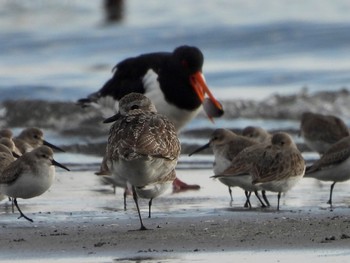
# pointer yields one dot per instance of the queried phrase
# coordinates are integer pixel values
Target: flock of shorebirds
(147, 101)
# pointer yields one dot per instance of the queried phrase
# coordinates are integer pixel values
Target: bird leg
(247, 202)
(278, 201)
(124, 195)
(134, 194)
(230, 192)
(149, 207)
(330, 195)
(257, 196)
(19, 210)
(263, 193)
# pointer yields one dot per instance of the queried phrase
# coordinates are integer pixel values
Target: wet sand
(81, 220)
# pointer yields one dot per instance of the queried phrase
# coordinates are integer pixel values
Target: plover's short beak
(212, 107)
(59, 165)
(113, 118)
(52, 146)
(205, 146)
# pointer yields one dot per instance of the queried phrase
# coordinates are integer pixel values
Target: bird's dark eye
(43, 155)
(134, 107)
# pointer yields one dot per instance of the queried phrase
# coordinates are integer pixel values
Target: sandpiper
(143, 148)
(6, 158)
(31, 138)
(7, 134)
(226, 145)
(29, 176)
(173, 81)
(321, 131)
(334, 165)
(257, 134)
(275, 167)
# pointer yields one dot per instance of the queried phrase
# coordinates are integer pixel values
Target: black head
(190, 57)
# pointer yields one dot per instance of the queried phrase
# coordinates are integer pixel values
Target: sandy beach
(81, 220)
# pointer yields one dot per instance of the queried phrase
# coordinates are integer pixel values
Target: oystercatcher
(173, 81)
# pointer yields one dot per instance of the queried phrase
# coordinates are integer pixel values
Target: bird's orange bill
(211, 106)
(59, 165)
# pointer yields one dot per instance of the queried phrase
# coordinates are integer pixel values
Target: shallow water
(79, 196)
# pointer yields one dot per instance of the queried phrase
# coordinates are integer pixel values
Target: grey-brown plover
(143, 148)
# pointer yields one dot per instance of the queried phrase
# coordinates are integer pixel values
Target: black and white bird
(173, 81)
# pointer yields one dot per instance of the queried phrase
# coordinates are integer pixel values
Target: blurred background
(267, 61)
(63, 50)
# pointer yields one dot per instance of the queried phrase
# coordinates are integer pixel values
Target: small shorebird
(321, 131)
(11, 146)
(257, 134)
(7, 134)
(226, 145)
(143, 148)
(29, 176)
(31, 138)
(173, 81)
(334, 165)
(274, 167)
(6, 158)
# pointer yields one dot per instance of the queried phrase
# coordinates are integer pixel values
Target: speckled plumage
(143, 147)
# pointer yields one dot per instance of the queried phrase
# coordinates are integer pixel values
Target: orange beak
(201, 88)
